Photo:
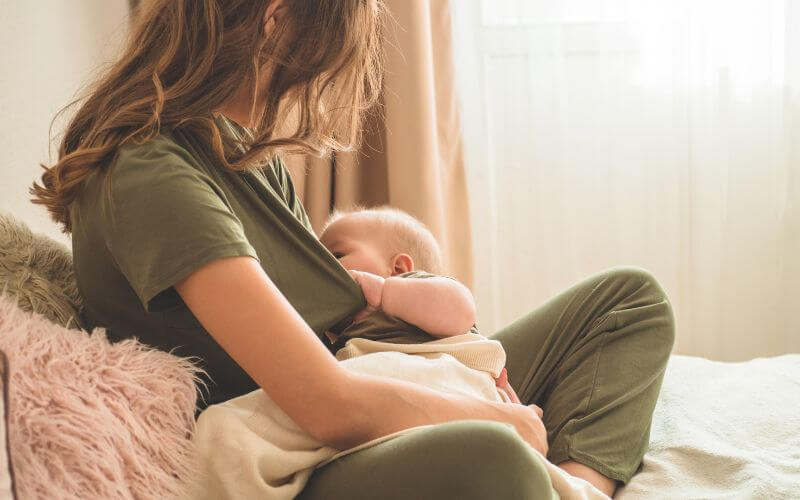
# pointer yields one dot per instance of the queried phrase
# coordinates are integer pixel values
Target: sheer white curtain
(663, 134)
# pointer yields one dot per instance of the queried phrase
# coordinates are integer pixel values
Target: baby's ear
(402, 263)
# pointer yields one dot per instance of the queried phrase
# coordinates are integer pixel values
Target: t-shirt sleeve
(165, 219)
(419, 273)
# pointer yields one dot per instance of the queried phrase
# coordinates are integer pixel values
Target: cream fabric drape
(411, 158)
(659, 134)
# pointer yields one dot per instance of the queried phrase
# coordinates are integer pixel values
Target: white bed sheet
(724, 430)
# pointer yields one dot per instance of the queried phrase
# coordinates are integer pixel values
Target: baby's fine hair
(404, 234)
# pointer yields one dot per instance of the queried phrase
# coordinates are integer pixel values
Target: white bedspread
(724, 430)
(249, 449)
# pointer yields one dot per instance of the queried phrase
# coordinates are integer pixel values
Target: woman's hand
(528, 422)
(372, 287)
(531, 427)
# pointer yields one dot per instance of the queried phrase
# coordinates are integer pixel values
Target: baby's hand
(372, 287)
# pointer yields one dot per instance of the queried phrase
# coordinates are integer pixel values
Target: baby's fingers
(537, 410)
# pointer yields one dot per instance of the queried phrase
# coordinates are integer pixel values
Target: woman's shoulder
(159, 173)
(161, 151)
(161, 164)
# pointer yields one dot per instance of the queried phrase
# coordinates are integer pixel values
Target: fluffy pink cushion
(90, 419)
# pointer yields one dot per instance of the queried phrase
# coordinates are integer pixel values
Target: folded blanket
(724, 430)
(249, 448)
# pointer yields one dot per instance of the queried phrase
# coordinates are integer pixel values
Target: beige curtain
(412, 158)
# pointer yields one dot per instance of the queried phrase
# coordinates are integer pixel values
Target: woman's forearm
(373, 406)
(440, 306)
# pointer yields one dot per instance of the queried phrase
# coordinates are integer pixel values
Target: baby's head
(383, 241)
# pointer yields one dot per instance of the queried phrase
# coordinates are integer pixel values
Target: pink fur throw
(94, 420)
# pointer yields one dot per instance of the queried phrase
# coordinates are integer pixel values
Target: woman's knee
(502, 464)
(471, 459)
(640, 281)
(635, 276)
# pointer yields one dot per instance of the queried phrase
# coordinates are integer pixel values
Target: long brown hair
(185, 58)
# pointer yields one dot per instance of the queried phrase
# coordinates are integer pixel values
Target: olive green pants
(592, 357)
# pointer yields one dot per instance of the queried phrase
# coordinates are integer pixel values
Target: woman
(188, 235)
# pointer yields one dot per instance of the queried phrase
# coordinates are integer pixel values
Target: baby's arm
(441, 306)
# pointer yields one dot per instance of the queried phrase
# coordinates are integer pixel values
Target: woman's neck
(239, 107)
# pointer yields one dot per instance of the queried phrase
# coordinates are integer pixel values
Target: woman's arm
(441, 306)
(248, 316)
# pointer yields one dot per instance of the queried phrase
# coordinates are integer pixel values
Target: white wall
(49, 50)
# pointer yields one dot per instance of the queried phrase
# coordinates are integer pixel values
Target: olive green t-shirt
(382, 327)
(169, 211)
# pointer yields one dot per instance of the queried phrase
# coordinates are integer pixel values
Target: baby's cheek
(358, 264)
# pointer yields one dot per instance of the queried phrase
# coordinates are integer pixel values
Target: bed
(724, 430)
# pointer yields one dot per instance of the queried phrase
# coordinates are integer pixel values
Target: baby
(383, 249)
(387, 251)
